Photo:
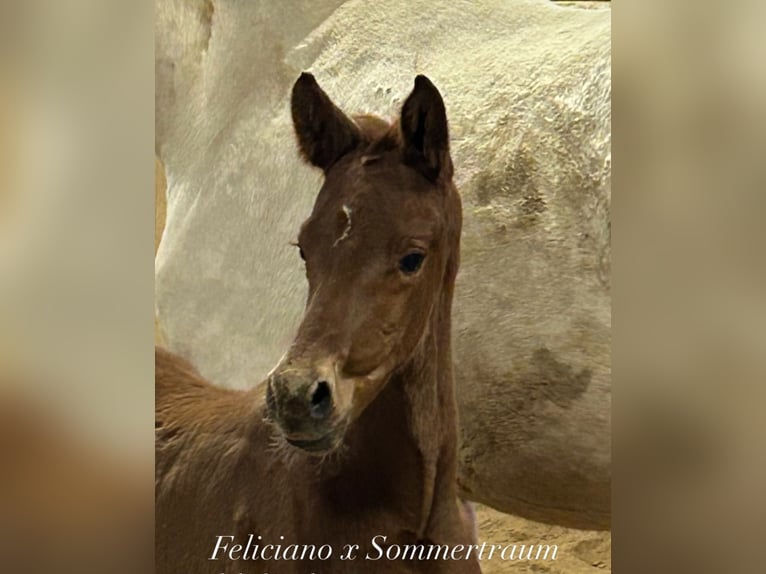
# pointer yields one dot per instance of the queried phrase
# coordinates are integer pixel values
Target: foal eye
(411, 262)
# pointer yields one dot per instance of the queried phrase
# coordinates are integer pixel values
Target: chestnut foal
(351, 442)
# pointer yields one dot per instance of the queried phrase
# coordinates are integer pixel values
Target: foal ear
(425, 137)
(324, 132)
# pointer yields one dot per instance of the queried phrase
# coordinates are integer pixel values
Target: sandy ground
(598, 4)
(578, 551)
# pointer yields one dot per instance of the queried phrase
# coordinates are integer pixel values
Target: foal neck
(401, 452)
(432, 414)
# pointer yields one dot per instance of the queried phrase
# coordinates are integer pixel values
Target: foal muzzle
(303, 402)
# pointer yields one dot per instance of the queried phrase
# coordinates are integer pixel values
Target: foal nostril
(321, 401)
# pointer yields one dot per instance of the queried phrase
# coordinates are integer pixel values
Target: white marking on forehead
(344, 235)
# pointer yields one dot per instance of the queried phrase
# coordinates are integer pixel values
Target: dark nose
(321, 400)
(300, 401)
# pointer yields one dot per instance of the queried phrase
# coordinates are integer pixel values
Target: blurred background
(76, 286)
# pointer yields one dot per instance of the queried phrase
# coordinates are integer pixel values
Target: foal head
(381, 251)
